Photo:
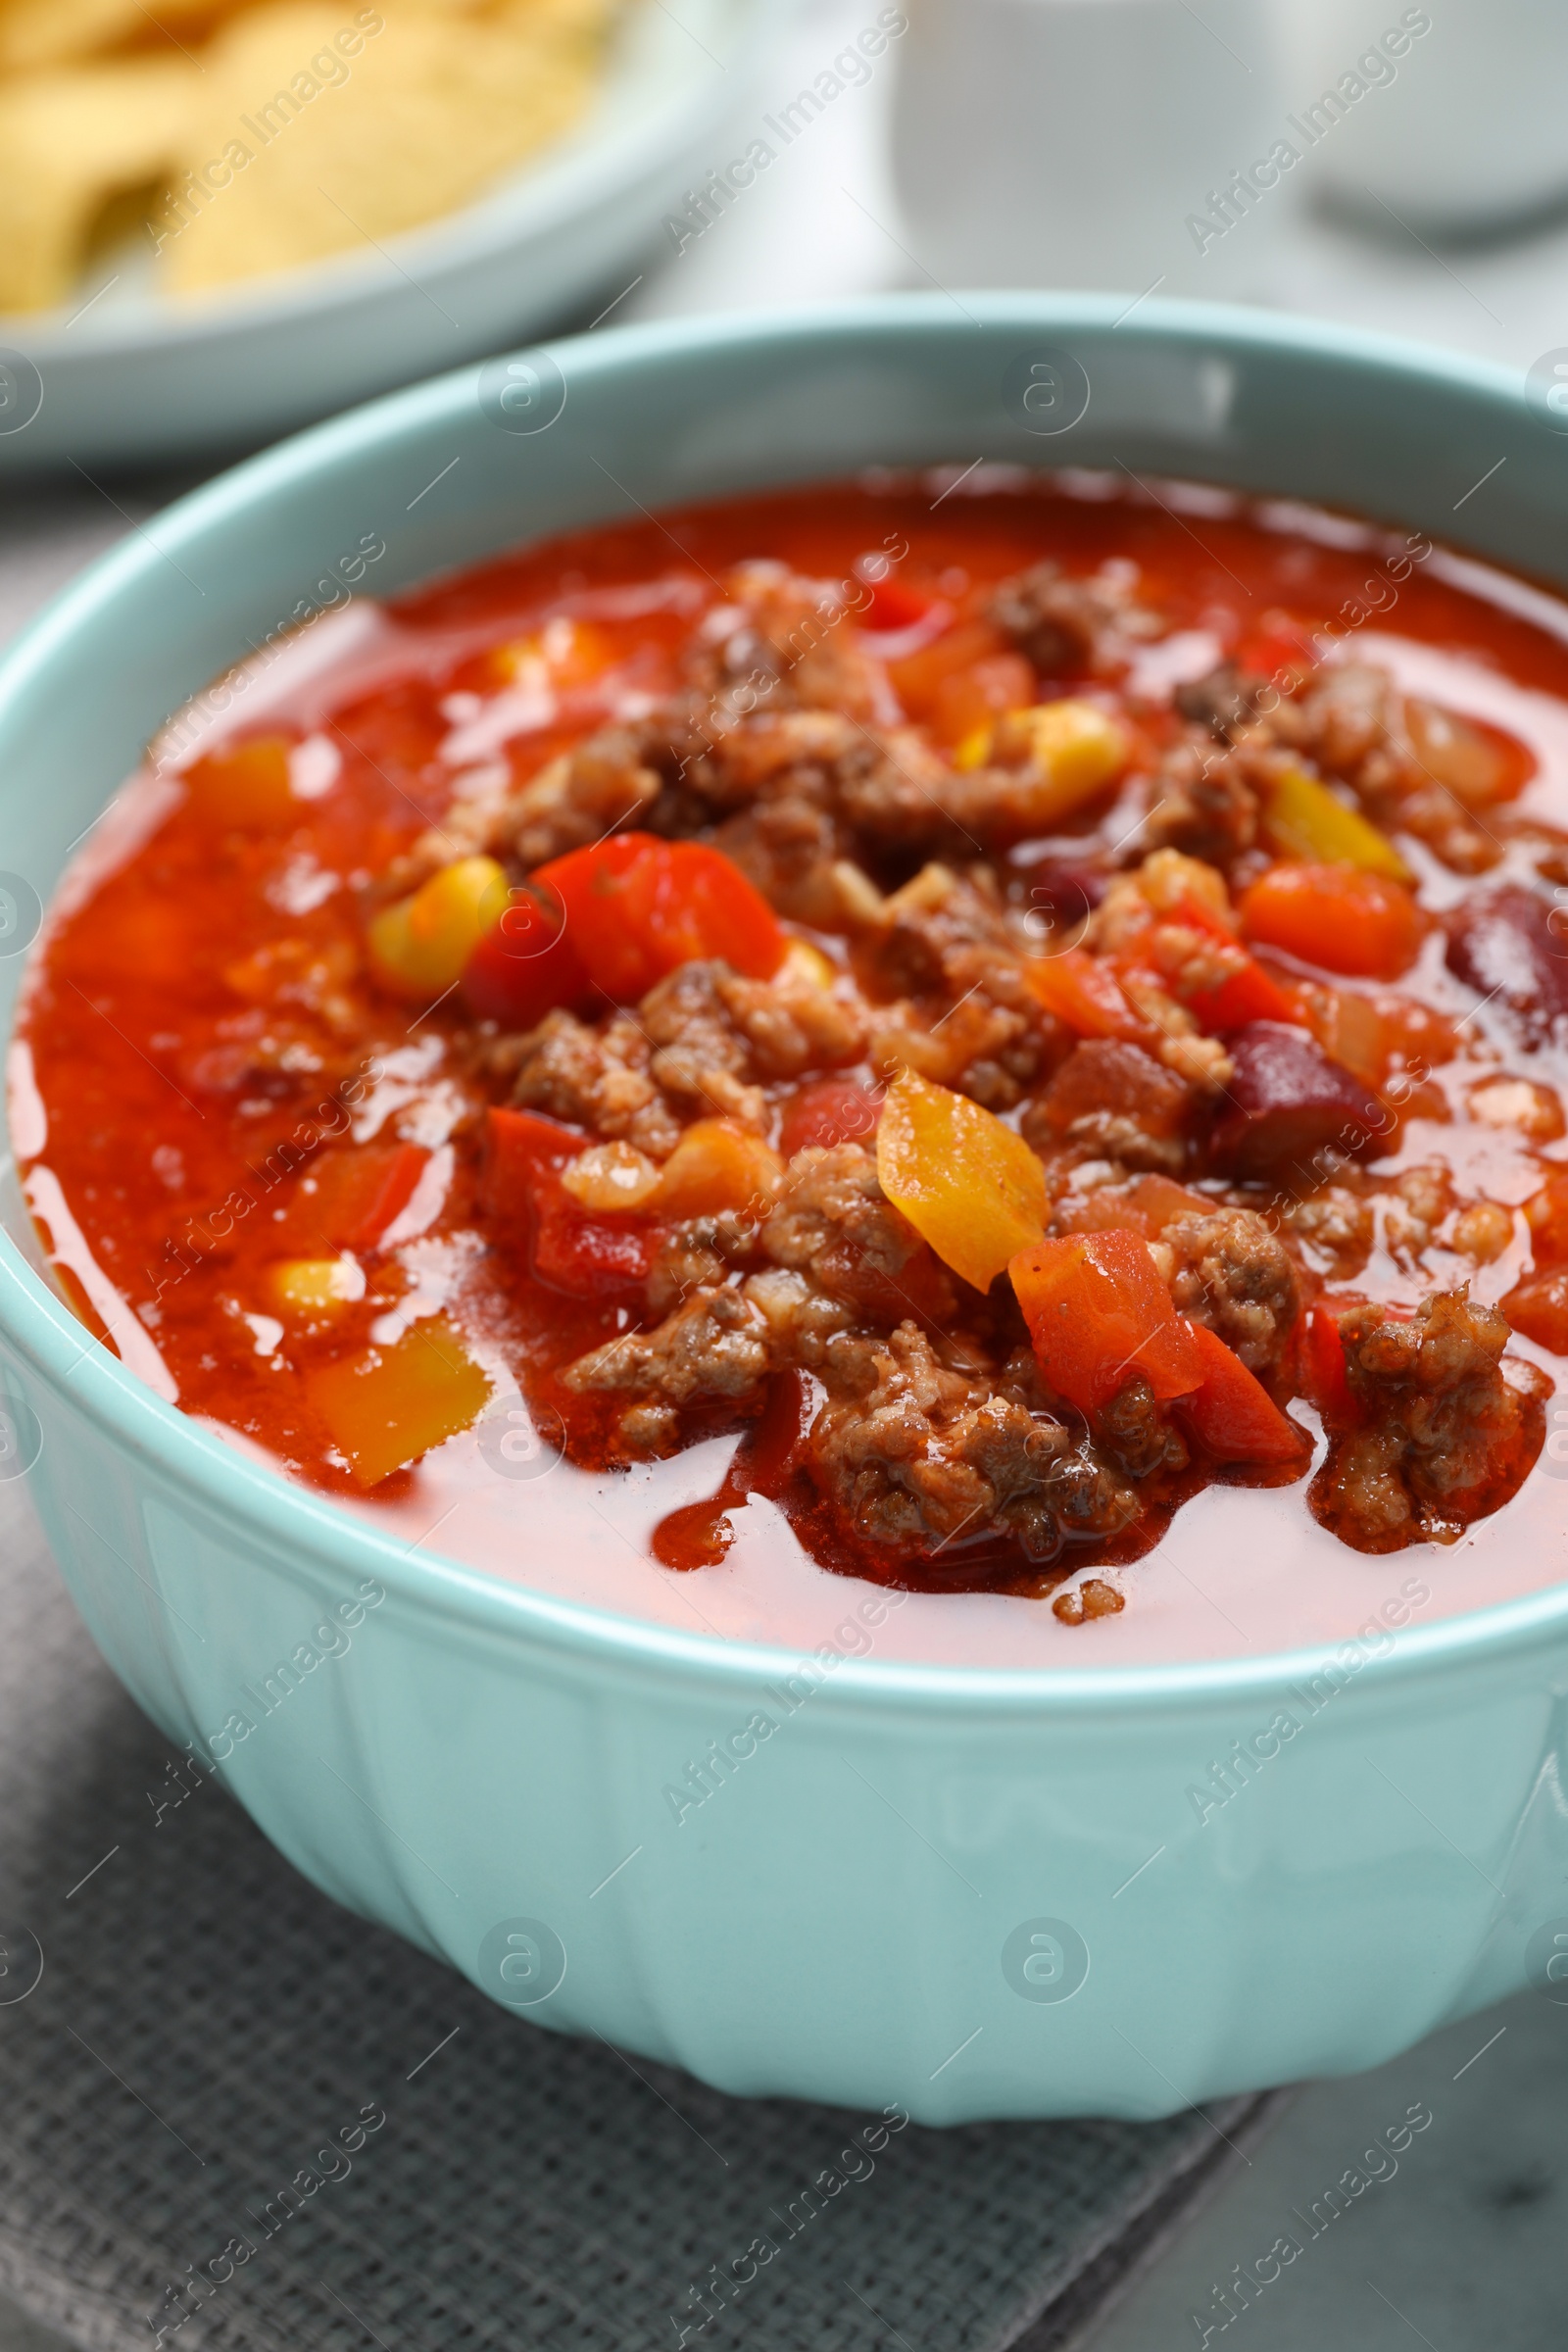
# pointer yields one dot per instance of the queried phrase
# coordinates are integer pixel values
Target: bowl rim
(302, 1528)
(592, 165)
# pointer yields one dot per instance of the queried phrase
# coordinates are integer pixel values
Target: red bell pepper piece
(1098, 1315)
(636, 907)
(1083, 991)
(588, 1256)
(1323, 1371)
(526, 966)
(356, 1192)
(1251, 993)
(1232, 1414)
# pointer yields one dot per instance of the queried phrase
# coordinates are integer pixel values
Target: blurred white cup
(1462, 122)
(1085, 142)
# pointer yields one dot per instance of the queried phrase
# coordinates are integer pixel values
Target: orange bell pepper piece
(244, 785)
(1099, 1315)
(970, 1186)
(1232, 1414)
(637, 908)
(387, 1405)
(1343, 919)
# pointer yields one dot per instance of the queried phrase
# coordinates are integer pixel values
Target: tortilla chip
(296, 150)
(53, 32)
(70, 143)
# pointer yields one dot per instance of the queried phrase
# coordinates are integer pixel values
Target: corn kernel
(315, 1286)
(805, 967)
(1078, 749)
(420, 946)
(612, 1176)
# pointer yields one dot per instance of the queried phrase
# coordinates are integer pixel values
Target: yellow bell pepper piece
(315, 1286)
(420, 946)
(1303, 818)
(382, 1409)
(1078, 749)
(967, 1184)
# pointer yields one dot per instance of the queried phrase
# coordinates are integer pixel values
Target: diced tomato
(636, 907)
(917, 679)
(1325, 1379)
(1098, 1315)
(1539, 1307)
(1250, 995)
(894, 605)
(527, 966)
(1084, 992)
(1146, 1206)
(973, 697)
(347, 1197)
(585, 1254)
(1547, 1215)
(1232, 1414)
(590, 1256)
(827, 1111)
(1340, 917)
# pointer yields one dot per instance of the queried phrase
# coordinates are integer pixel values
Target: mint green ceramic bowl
(919, 1891)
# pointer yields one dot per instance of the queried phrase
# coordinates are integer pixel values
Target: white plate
(127, 374)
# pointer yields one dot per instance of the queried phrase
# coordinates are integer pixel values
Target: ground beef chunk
(596, 1078)
(1335, 1229)
(1225, 703)
(928, 1451)
(699, 1055)
(1110, 1100)
(1229, 1272)
(1447, 1432)
(715, 1346)
(1073, 627)
(696, 1046)
(793, 634)
(833, 1223)
(962, 1015)
(601, 787)
(795, 852)
(695, 1255)
(1134, 1431)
